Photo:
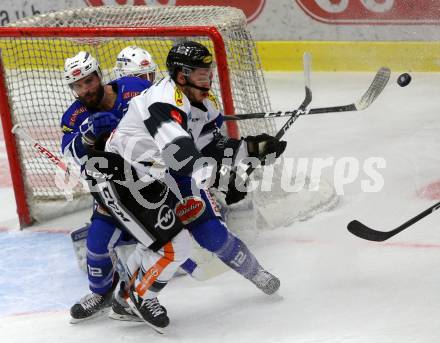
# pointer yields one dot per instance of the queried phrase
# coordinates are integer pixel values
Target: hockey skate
(149, 310)
(265, 281)
(90, 306)
(120, 308)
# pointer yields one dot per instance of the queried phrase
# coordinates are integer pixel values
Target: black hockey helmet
(188, 54)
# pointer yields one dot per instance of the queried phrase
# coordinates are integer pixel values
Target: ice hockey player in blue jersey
(97, 110)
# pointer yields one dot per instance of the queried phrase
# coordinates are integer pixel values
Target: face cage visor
(150, 75)
(196, 76)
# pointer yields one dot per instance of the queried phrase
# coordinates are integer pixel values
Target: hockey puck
(404, 79)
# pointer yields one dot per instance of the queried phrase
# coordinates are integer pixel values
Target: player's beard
(93, 100)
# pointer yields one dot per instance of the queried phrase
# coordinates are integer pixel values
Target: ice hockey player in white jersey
(160, 136)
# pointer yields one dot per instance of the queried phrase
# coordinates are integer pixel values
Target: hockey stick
(376, 87)
(363, 231)
(302, 109)
(21, 133)
(45, 152)
(307, 60)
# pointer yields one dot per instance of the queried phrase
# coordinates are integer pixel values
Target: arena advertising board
(288, 20)
(377, 12)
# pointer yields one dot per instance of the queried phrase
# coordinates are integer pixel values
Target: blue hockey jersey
(71, 146)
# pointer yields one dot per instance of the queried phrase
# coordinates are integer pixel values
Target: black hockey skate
(149, 310)
(265, 281)
(120, 308)
(90, 306)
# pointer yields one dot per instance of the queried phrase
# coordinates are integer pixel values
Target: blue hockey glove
(98, 124)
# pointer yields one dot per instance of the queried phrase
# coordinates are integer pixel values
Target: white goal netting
(37, 95)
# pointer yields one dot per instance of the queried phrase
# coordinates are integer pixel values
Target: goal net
(33, 93)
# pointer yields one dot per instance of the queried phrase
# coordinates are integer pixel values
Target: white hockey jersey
(162, 130)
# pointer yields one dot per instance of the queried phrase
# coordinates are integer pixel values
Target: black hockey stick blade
(363, 231)
(377, 86)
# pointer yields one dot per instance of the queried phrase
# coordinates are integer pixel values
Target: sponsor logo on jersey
(176, 116)
(190, 209)
(213, 99)
(178, 97)
(148, 279)
(75, 114)
(129, 95)
(66, 129)
(214, 204)
(375, 12)
(165, 218)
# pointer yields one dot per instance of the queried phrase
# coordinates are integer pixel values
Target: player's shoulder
(212, 105)
(213, 101)
(72, 116)
(132, 83)
(130, 86)
(166, 91)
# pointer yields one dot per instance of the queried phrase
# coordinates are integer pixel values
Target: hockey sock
(214, 236)
(101, 237)
(237, 256)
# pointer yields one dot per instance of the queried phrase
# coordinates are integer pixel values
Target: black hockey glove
(233, 195)
(262, 145)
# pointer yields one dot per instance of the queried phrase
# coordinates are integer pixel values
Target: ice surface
(334, 287)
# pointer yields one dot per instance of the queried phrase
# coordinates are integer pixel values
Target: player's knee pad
(182, 247)
(211, 235)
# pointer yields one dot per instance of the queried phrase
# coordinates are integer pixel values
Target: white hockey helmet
(135, 61)
(79, 66)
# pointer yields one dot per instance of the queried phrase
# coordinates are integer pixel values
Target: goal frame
(209, 32)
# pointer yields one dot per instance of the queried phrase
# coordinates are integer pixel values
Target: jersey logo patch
(75, 114)
(178, 97)
(129, 95)
(214, 204)
(165, 218)
(66, 129)
(190, 209)
(176, 116)
(213, 99)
